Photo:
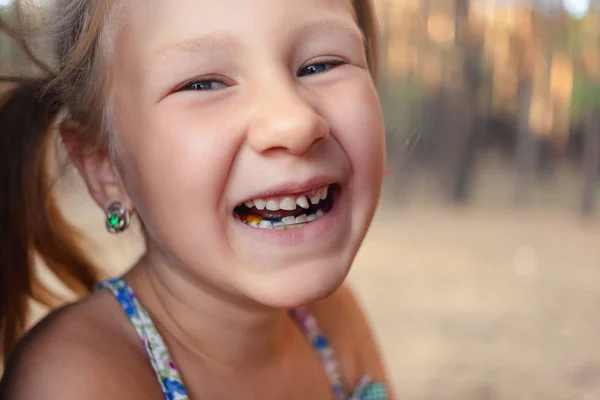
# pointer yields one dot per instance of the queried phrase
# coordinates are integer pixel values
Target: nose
(285, 120)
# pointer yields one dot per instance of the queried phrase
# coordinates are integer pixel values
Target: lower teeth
(286, 222)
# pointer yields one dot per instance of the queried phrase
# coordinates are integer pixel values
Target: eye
(319, 68)
(203, 85)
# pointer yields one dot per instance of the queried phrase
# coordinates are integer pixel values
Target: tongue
(266, 214)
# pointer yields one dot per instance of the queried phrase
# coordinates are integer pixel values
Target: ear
(95, 166)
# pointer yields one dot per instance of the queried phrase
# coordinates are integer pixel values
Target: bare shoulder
(80, 351)
(344, 322)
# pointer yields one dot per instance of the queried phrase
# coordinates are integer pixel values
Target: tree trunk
(465, 115)
(526, 145)
(591, 162)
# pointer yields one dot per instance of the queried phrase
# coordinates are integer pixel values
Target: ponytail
(30, 221)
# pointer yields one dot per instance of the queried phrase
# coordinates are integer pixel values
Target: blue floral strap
(162, 363)
(375, 391)
(365, 390)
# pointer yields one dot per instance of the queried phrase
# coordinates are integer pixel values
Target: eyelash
(329, 65)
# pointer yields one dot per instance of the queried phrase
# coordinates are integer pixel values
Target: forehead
(159, 23)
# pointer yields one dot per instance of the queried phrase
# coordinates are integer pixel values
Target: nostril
(318, 141)
(273, 151)
(297, 148)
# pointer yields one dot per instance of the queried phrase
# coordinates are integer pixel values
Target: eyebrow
(204, 44)
(329, 25)
(207, 44)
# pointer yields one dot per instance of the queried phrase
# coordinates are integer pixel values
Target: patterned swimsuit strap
(364, 390)
(308, 323)
(165, 369)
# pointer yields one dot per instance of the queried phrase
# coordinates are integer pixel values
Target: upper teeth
(289, 203)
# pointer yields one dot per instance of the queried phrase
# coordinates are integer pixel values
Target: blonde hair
(78, 81)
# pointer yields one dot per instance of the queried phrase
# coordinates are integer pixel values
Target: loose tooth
(311, 217)
(324, 192)
(265, 224)
(302, 201)
(288, 204)
(320, 213)
(249, 204)
(273, 205)
(301, 219)
(288, 220)
(260, 204)
(315, 199)
(254, 224)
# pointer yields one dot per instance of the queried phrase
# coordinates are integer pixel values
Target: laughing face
(251, 141)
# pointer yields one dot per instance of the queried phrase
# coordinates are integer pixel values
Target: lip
(292, 188)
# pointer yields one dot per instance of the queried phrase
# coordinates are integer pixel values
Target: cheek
(175, 167)
(179, 149)
(360, 131)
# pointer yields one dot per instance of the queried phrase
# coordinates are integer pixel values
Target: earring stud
(117, 218)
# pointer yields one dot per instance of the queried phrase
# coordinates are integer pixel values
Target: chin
(299, 285)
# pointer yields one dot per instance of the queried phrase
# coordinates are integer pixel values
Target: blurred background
(481, 273)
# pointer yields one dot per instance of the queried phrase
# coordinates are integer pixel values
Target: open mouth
(288, 211)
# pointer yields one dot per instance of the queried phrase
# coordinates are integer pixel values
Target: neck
(209, 323)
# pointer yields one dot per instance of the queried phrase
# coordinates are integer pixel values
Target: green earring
(117, 218)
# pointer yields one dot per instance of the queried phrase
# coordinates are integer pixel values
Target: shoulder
(79, 351)
(344, 322)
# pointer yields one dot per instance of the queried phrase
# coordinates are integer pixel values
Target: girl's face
(234, 112)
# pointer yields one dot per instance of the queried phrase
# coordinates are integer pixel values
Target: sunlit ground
(481, 304)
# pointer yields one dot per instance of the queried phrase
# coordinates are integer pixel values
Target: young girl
(247, 137)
